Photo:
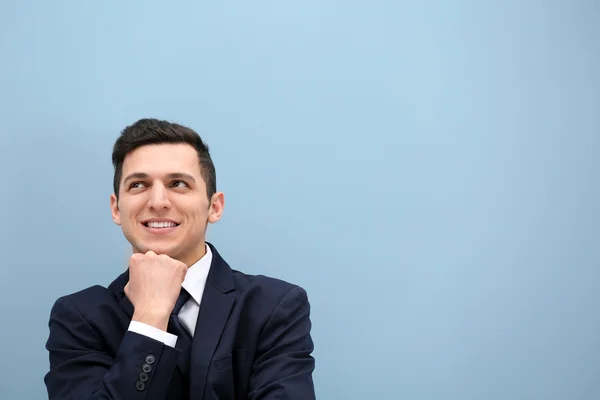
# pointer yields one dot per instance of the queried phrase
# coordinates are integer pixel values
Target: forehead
(159, 159)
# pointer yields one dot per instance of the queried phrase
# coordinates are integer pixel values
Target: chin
(169, 251)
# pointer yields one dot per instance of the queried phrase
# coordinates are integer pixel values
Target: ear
(217, 203)
(114, 208)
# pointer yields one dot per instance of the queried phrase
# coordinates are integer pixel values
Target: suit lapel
(214, 313)
(118, 288)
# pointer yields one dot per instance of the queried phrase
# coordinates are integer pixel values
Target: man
(179, 323)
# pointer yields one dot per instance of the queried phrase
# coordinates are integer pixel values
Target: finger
(135, 258)
(184, 269)
(164, 257)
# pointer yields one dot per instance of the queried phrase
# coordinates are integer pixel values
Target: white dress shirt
(194, 283)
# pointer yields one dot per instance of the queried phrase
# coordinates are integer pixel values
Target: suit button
(143, 376)
(146, 368)
(150, 359)
(140, 386)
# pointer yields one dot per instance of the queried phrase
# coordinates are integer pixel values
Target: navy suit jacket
(252, 341)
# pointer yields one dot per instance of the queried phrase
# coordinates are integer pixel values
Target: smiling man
(179, 323)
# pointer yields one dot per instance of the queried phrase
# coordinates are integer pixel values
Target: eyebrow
(173, 175)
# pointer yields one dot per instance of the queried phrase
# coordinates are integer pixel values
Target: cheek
(200, 216)
(129, 213)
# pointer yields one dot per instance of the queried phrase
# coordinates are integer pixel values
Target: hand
(153, 287)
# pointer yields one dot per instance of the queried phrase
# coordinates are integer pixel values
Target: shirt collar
(197, 273)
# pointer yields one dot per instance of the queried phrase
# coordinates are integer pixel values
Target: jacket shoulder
(87, 300)
(97, 294)
(92, 293)
(268, 289)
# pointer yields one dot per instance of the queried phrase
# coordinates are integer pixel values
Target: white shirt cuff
(154, 333)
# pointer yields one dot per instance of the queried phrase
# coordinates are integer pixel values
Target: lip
(144, 222)
(159, 231)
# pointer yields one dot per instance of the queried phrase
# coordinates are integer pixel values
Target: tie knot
(184, 296)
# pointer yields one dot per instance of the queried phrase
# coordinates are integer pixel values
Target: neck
(193, 258)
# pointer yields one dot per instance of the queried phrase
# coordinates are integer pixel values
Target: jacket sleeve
(284, 364)
(81, 369)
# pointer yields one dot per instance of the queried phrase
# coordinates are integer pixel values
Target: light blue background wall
(429, 171)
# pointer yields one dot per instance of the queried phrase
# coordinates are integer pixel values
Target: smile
(160, 225)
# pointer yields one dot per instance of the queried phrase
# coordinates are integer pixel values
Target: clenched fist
(153, 287)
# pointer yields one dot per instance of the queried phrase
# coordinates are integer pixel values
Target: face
(163, 204)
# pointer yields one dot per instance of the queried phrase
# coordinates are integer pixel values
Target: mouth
(160, 224)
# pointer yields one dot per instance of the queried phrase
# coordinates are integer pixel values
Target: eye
(179, 184)
(136, 185)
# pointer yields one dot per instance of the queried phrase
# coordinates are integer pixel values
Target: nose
(159, 198)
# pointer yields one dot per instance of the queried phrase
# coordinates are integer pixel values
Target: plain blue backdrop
(428, 170)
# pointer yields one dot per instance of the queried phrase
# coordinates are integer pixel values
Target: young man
(179, 323)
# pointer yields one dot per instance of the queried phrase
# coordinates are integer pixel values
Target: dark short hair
(154, 131)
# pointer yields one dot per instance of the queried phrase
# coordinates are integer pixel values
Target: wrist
(159, 320)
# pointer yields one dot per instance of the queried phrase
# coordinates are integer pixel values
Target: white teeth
(161, 224)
